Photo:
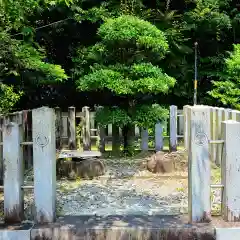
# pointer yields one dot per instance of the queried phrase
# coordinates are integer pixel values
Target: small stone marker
(44, 156)
(72, 143)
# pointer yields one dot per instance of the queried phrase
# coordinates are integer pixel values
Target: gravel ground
(126, 188)
(121, 196)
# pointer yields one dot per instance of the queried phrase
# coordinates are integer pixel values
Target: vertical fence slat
(144, 139)
(226, 114)
(59, 127)
(219, 136)
(186, 126)
(231, 171)
(109, 130)
(234, 115)
(213, 147)
(44, 157)
(180, 122)
(72, 143)
(199, 165)
(13, 176)
(26, 132)
(29, 139)
(137, 131)
(1, 151)
(92, 120)
(173, 128)
(86, 129)
(238, 116)
(158, 137)
(102, 135)
(115, 139)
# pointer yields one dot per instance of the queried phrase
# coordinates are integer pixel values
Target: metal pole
(195, 77)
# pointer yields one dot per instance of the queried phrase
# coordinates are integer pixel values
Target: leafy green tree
(121, 63)
(22, 60)
(8, 98)
(227, 90)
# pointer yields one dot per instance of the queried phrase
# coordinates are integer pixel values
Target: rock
(160, 162)
(86, 169)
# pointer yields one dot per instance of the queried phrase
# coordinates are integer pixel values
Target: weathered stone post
(180, 122)
(231, 171)
(72, 143)
(44, 162)
(115, 139)
(213, 147)
(13, 176)
(199, 164)
(1, 151)
(173, 128)
(186, 126)
(86, 129)
(101, 134)
(59, 127)
(144, 139)
(219, 135)
(158, 137)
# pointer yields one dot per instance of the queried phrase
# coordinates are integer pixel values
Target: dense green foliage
(67, 52)
(227, 90)
(121, 63)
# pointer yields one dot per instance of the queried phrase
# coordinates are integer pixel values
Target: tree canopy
(122, 63)
(52, 51)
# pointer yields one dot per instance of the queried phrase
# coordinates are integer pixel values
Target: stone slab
(78, 154)
(227, 233)
(15, 235)
(15, 232)
(123, 227)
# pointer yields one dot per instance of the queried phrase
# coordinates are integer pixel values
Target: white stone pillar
(231, 171)
(44, 162)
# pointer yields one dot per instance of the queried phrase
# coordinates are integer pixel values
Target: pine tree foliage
(122, 65)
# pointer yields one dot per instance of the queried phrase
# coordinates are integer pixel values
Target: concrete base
(21, 232)
(227, 233)
(122, 227)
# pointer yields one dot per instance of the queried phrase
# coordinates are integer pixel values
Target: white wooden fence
(112, 134)
(216, 117)
(198, 125)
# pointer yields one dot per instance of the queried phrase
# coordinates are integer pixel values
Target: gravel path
(121, 196)
(127, 188)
